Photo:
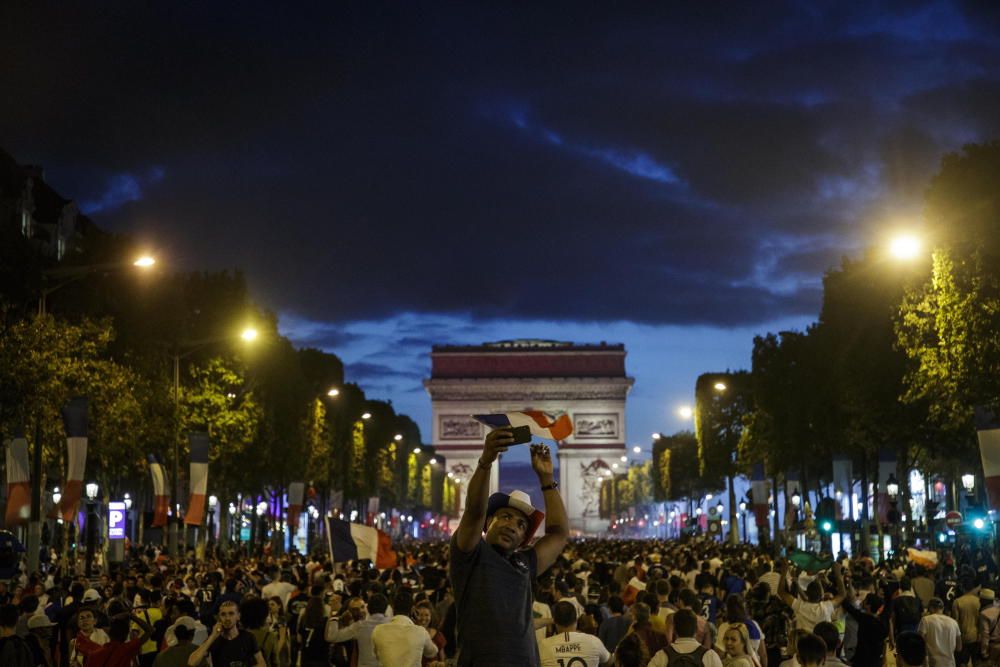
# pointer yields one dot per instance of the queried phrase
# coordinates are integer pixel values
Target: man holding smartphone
(492, 574)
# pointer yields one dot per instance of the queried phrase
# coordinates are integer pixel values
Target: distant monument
(587, 381)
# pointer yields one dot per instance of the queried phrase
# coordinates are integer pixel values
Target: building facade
(588, 382)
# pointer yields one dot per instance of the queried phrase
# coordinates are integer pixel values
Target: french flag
(758, 488)
(74, 416)
(198, 442)
(296, 490)
(542, 424)
(161, 499)
(354, 541)
(988, 432)
(18, 481)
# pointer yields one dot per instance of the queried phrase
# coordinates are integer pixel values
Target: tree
(950, 325)
(676, 471)
(722, 403)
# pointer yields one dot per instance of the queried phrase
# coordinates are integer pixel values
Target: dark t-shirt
(238, 652)
(493, 599)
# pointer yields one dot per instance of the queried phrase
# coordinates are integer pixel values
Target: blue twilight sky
(673, 176)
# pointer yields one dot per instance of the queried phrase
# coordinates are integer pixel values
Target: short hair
(810, 649)
(616, 604)
(564, 613)
(935, 603)
(229, 603)
(662, 587)
(911, 647)
(830, 635)
(378, 603)
(685, 623)
(402, 604)
(689, 598)
(183, 633)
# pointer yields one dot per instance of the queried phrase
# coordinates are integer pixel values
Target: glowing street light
(905, 246)
(637, 449)
(397, 437)
(434, 461)
(416, 450)
(366, 415)
(719, 386)
(624, 459)
(685, 412)
(249, 334)
(333, 393)
(656, 436)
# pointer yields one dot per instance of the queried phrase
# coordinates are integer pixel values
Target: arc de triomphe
(587, 381)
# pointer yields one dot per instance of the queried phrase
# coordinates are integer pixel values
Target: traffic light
(826, 515)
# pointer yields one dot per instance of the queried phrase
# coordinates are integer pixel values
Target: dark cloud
(593, 161)
(362, 371)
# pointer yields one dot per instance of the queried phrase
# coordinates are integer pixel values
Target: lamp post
(91, 489)
(128, 511)
(213, 503)
(743, 513)
(261, 522)
(182, 350)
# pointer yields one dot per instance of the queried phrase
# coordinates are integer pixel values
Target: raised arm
(783, 593)
(548, 548)
(470, 528)
(838, 580)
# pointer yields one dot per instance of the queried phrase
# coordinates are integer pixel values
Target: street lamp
(905, 246)
(657, 436)
(128, 510)
(366, 416)
(969, 482)
(796, 497)
(892, 487)
(624, 459)
(248, 335)
(397, 437)
(416, 450)
(213, 503)
(333, 393)
(719, 386)
(685, 412)
(637, 449)
(91, 490)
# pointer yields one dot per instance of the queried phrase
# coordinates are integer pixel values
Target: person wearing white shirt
(814, 609)
(401, 642)
(942, 634)
(360, 630)
(685, 625)
(277, 588)
(569, 647)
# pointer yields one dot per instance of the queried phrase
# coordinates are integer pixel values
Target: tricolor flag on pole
(198, 442)
(758, 488)
(988, 430)
(295, 492)
(161, 501)
(18, 481)
(353, 541)
(542, 424)
(74, 416)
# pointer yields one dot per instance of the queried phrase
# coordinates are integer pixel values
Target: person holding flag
(492, 575)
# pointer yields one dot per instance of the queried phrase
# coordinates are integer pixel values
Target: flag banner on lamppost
(74, 416)
(988, 431)
(758, 488)
(296, 490)
(18, 482)
(198, 442)
(161, 501)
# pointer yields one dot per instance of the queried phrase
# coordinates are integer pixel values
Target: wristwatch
(549, 487)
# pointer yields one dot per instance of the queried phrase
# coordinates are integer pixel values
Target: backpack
(692, 659)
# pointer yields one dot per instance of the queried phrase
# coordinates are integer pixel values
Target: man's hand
(217, 630)
(497, 442)
(541, 463)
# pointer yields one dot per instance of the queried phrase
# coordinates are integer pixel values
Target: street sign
(116, 521)
(953, 519)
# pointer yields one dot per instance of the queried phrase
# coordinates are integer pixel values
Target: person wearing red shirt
(121, 651)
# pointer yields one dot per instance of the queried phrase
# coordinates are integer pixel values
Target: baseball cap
(39, 621)
(520, 501)
(91, 595)
(987, 594)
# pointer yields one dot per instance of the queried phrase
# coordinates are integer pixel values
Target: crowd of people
(629, 603)
(493, 596)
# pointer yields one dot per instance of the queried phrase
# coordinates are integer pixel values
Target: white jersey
(573, 649)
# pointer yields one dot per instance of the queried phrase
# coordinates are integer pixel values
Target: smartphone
(522, 434)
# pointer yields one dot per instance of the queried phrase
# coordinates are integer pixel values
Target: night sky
(673, 176)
